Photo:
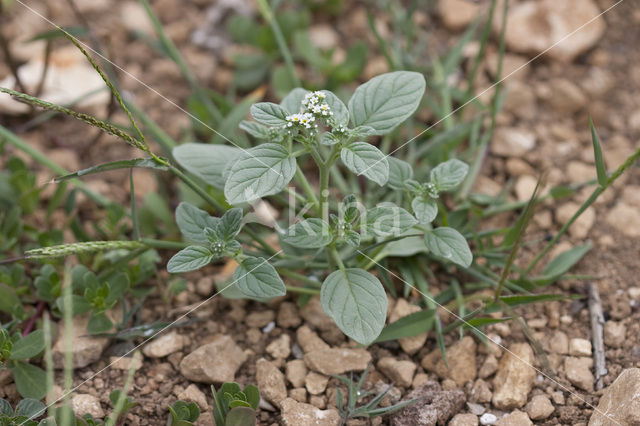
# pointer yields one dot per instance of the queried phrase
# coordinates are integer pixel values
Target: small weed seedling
(183, 413)
(15, 351)
(348, 409)
(25, 409)
(235, 406)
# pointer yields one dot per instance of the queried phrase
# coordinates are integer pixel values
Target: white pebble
(488, 419)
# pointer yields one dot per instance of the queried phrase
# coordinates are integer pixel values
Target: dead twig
(597, 334)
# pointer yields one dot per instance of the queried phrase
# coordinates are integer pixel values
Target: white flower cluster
(304, 119)
(315, 103)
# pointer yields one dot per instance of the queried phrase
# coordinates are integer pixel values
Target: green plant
(15, 350)
(349, 409)
(234, 406)
(183, 413)
(316, 124)
(26, 410)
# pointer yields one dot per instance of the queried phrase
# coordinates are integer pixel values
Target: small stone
(215, 362)
(296, 372)
(579, 347)
(323, 36)
(578, 372)
(205, 285)
(578, 172)
(481, 392)
(581, 227)
(83, 403)
(164, 345)
(461, 358)
(624, 218)
(337, 360)
(135, 19)
(314, 315)
(288, 316)
(318, 401)
(419, 380)
(260, 319)
(535, 26)
(620, 402)
(125, 362)
(270, 381)
(634, 293)
(316, 383)
(514, 378)
(85, 349)
(299, 394)
(298, 413)
(488, 419)
(399, 372)
(559, 343)
(309, 340)
(436, 406)
(614, 334)
(512, 142)
(193, 394)
(458, 14)
(489, 367)
(476, 409)
(539, 408)
(413, 344)
(524, 187)
(558, 398)
(516, 418)
(464, 420)
(563, 96)
(280, 348)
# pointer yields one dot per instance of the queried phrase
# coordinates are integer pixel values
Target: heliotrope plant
(319, 125)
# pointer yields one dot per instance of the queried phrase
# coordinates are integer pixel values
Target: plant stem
(163, 244)
(302, 290)
(198, 190)
(336, 256)
(307, 187)
(267, 14)
(296, 276)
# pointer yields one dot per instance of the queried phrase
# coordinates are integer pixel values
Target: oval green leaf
(29, 346)
(309, 233)
(256, 278)
(357, 302)
(449, 244)
(399, 172)
(365, 159)
(387, 100)
(260, 171)
(206, 161)
(189, 259)
(446, 176)
(425, 208)
(386, 220)
(30, 380)
(268, 113)
(192, 222)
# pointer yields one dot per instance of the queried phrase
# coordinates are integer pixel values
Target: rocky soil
(291, 352)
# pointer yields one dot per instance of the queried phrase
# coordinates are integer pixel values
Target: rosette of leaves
(183, 413)
(25, 410)
(234, 406)
(90, 294)
(215, 238)
(15, 352)
(318, 126)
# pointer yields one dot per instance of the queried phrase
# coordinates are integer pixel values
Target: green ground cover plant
(376, 202)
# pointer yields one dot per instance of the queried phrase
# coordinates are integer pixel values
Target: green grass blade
(601, 168)
(142, 163)
(408, 326)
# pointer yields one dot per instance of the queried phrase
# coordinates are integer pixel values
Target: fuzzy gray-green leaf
(357, 302)
(189, 259)
(256, 278)
(293, 101)
(192, 222)
(449, 244)
(206, 161)
(387, 100)
(386, 220)
(260, 171)
(270, 114)
(365, 159)
(448, 175)
(399, 172)
(425, 208)
(339, 109)
(309, 233)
